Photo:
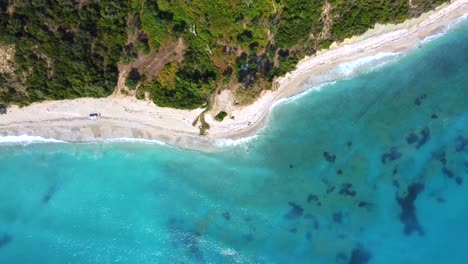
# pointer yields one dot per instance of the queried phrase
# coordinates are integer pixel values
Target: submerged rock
(408, 211)
(364, 204)
(447, 172)
(312, 198)
(440, 156)
(418, 101)
(5, 239)
(249, 237)
(329, 157)
(49, 194)
(338, 217)
(295, 212)
(346, 190)
(360, 255)
(314, 219)
(341, 257)
(227, 216)
(412, 138)
(396, 183)
(394, 154)
(425, 136)
(461, 144)
(186, 239)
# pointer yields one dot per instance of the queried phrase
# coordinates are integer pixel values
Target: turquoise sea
(371, 169)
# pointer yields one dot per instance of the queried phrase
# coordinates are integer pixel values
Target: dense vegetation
(71, 48)
(63, 49)
(220, 116)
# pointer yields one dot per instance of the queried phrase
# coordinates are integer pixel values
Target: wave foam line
(343, 71)
(349, 69)
(25, 139)
(315, 88)
(134, 140)
(234, 142)
(451, 26)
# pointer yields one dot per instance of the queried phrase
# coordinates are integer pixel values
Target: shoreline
(129, 119)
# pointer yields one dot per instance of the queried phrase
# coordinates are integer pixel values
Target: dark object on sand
(94, 116)
(3, 109)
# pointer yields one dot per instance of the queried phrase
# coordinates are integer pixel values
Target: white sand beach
(127, 117)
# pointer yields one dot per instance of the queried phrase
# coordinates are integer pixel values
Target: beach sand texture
(126, 117)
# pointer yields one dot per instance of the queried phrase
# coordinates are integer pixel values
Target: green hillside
(72, 48)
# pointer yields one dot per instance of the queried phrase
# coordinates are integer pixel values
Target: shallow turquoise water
(370, 169)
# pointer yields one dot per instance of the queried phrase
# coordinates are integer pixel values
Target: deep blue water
(371, 169)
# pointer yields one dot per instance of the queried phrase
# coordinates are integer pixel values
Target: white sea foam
(432, 38)
(228, 252)
(134, 140)
(450, 26)
(352, 68)
(456, 22)
(234, 142)
(315, 88)
(25, 139)
(342, 71)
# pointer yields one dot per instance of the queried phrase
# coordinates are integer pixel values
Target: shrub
(220, 116)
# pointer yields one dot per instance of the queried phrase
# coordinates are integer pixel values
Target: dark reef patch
(458, 180)
(329, 157)
(440, 155)
(227, 216)
(5, 239)
(339, 172)
(249, 237)
(330, 189)
(346, 190)
(412, 138)
(295, 212)
(394, 154)
(314, 220)
(447, 172)
(186, 239)
(360, 255)
(425, 136)
(312, 198)
(49, 194)
(434, 116)
(341, 257)
(308, 236)
(408, 210)
(461, 144)
(338, 217)
(418, 101)
(364, 204)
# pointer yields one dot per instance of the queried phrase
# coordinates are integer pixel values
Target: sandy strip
(125, 117)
